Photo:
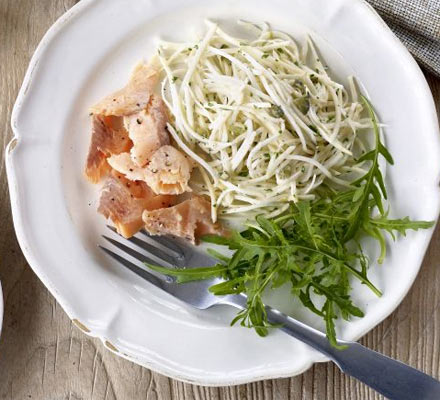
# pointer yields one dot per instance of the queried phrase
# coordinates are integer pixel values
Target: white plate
(87, 54)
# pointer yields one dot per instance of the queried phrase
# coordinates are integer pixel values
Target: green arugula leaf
(329, 316)
(314, 247)
(400, 225)
(190, 274)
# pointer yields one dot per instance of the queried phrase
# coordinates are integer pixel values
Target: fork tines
(157, 280)
(164, 249)
(152, 250)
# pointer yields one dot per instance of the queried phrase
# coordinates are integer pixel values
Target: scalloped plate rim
(26, 248)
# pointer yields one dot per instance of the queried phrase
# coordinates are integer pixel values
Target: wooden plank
(43, 356)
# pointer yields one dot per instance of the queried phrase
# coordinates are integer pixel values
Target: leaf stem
(356, 273)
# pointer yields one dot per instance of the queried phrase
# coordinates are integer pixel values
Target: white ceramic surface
(87, 54)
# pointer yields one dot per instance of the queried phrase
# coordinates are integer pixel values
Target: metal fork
(389, 377)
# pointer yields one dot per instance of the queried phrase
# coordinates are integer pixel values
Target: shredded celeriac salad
(262, 119)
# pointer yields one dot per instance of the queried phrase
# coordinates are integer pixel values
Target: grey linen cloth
(417, 24)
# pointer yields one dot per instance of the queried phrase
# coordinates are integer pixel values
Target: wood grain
(43, 356)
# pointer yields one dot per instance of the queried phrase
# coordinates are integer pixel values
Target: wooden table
(42, 354)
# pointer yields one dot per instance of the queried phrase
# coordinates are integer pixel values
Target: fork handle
(393, 379)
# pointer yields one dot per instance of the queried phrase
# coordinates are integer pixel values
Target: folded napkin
(417, 24)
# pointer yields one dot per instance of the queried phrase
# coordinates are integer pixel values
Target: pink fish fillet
(189, 219)
(132, 98)
(169, 171)
(109, 137)
(147, 130)
(124, 201)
